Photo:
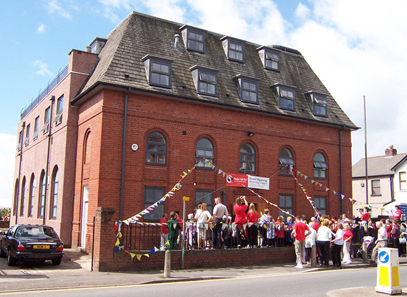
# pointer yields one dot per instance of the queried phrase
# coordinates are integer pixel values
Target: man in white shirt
(219, 211)
(381, 241)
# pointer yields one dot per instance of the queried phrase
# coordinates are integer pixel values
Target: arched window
(22, 205)
(320, 166)
(87, 148)
(16, 195)
(247, 158)
(286, 161)
(156, 152)
(31, 196)
(41, 194)
(54, 197)
(204, 149)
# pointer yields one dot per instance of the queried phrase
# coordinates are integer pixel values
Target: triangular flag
(138, 257)
(132, 255)
(147, 255)
(220, 171)
(116, 249)
(117, 242)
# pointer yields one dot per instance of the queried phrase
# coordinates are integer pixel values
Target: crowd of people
(245, 228)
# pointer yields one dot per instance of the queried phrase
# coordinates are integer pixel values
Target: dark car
(31, 243)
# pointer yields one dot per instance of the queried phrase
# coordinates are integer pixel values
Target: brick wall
(103, 115)
(201, 259)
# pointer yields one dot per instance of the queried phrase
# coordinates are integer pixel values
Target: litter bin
(388, 275)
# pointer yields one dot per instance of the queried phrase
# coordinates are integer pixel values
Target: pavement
(75, 272)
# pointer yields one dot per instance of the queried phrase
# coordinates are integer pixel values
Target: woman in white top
(324, 239)
(309, 243)
(202, 220)
(338, 246)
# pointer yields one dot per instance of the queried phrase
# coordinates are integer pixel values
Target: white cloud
(54, 7)
(41, 28)
(111, 6)
(43, 70)
(7, 154)
(168, 9)
(256, 21)
(359, 50)
(302, 11)
(356, 48)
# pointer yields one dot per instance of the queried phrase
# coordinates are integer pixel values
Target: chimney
(88, 49)
(176, 44)
(390, 152)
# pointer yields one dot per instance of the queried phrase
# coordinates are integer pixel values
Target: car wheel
(2, 253)
(11, 261)
(56, 261)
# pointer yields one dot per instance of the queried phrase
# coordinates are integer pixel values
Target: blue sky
(357, 48)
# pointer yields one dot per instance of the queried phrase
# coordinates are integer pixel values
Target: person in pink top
(240, 217)
(300, 231)
(252, 217)
(315, 224)
(347, 237)
(396, 213)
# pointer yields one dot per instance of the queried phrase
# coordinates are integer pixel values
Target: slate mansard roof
(120, 65)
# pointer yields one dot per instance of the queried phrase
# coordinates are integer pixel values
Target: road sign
(388, 275)
(384, 257)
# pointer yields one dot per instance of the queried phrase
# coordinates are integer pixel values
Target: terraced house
(152, 99)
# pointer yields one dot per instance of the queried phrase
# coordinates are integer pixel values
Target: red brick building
(155, 104)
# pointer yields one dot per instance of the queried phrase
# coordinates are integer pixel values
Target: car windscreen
(36, 231)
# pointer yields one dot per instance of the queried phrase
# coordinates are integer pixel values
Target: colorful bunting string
(339, 195)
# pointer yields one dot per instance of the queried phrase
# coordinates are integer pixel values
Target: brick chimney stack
(390, 152)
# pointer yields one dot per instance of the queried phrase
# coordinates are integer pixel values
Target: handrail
(61, 75)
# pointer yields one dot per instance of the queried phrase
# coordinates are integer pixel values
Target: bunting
(327, 189)
(135, 218)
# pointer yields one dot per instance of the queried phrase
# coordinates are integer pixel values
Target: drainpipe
(341, 166)
(52, 99)
(123, 153)
(17, 197)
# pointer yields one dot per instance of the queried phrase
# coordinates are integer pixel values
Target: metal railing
(138, 237)
(61, 75)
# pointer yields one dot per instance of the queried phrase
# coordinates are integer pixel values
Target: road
(300, 283)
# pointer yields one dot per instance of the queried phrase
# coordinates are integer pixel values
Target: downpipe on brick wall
(123, 153)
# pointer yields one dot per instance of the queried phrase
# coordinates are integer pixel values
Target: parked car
(31, 243)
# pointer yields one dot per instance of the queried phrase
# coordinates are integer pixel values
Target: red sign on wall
(237, 180)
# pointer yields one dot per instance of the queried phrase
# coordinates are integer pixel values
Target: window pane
(152, 195)
(211, 89)
(204, 196)
(156, 148)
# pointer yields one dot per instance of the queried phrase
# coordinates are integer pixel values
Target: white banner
(257, 182)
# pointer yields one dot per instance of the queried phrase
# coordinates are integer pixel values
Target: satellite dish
(134, 147)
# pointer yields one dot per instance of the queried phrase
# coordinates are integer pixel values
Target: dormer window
(270, 58)
(285, 97)
(193, 38)
(318, 103)
(206, 80)
(97, 44)
(234, 49)
(158, 71)
(248, 89)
